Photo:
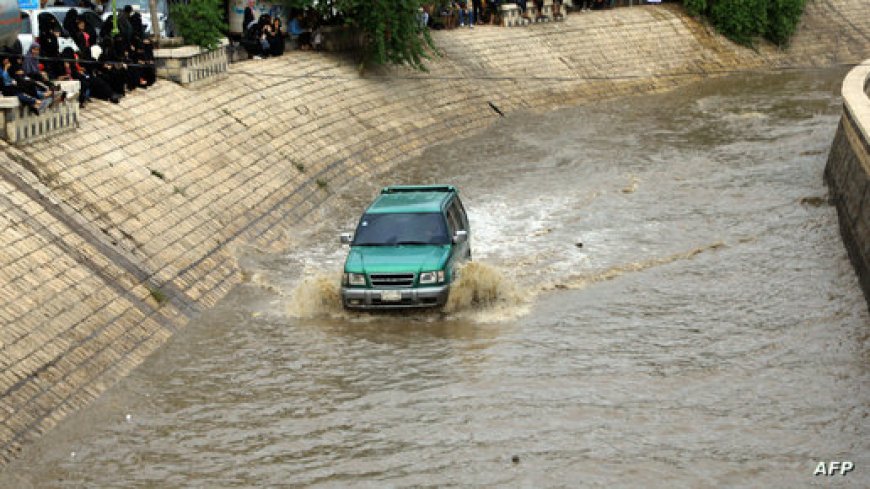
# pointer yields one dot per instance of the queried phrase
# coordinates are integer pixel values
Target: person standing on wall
(249, 17)
(465, 14)
(476, 11)
(522, 6)
(557, 9)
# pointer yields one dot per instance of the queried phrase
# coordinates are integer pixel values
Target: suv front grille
(392, 279)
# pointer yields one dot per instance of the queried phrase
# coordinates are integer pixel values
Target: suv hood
(397, 259)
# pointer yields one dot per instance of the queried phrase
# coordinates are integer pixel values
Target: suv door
(459, 222)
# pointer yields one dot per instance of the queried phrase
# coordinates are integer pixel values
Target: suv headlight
(432, 277)
(354, 279)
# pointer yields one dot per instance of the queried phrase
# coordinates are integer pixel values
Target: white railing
(511, 16)
(855, 98)
(189, 65)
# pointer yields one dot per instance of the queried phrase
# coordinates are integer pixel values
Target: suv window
(463, 217)
(401, 228)
(453, 221)
(457, 217)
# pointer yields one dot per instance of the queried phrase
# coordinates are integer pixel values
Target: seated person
(296, 29)
(254, 39)
(32, 67)
(28, 92)
(275, 38)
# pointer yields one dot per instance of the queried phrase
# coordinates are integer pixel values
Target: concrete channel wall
(114, 236)
(848, 172)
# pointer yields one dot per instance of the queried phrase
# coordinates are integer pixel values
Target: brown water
(708, 332)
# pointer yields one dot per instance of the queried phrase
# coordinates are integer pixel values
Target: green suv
(406, 248)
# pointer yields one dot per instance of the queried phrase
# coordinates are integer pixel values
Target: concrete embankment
(115, 236)
(848, 172)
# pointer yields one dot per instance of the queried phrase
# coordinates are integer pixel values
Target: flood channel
(674, 308)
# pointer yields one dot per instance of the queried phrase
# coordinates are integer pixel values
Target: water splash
(316, 296)
(480, 285)
(482, 293)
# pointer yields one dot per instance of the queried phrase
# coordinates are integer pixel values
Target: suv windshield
(398, 229)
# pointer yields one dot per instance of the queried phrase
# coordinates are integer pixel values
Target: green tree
(390, 29)
(783, 16)
(200, 22)
(745, 20)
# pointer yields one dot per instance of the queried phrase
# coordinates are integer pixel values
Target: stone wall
(848, 172)
(113, 237)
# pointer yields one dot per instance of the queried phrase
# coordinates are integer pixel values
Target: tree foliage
(744, 20)
(200, 22)
(391, 30)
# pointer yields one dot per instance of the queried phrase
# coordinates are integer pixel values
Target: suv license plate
(391, 296)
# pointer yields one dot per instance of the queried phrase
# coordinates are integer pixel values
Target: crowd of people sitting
(106, 65)
(262, 37)
(445, 14)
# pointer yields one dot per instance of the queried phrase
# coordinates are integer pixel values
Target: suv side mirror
(346, 238)
(460, 237)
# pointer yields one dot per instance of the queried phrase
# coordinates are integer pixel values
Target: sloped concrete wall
(848, 172)
(112, 238)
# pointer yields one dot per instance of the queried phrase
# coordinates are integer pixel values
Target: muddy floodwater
(661, 299)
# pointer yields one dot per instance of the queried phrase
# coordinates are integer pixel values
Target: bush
(200, 22)
(745, 20)
(783, 16)
(740, 20)
(695, 7)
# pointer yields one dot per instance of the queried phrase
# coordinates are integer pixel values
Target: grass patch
(299, 166)
(321, 183)
(158, 174)
(178, 190)
(157, 294)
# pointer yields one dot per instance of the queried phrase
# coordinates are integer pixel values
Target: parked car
(406, 249)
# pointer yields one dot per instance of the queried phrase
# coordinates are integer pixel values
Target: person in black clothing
(123, 66)
(51, 52)
(83, 39)
(265, 25)
(138, 28)
(275, 37)
(110, 69)
(249, 16)
(255, 39)
(145, 57)
(477, 11)
(72, 70)
(70, 22)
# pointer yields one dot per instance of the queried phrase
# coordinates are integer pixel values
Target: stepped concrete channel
(114, 236)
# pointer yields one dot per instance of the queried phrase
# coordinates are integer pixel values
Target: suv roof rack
(394, 189)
